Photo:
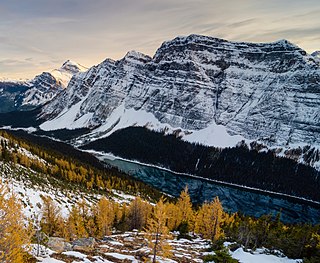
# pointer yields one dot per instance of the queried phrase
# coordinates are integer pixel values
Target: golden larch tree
(14, 236)
(185, 212)
(104, 213)
(138, 213)
(76, 224)
(209, 220)
(51, 214)
(173, 221)
(158, 232)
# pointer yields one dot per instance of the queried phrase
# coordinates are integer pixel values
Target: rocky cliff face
(269, 92)
(23, 95)
(9, 94)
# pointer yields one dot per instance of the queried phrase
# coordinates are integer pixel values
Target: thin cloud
(246, 22)
(52, 31)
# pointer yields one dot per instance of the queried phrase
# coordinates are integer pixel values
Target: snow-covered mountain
(256, 91)
(46, 86)
(316, 54)
(64, 74)
(20, 95)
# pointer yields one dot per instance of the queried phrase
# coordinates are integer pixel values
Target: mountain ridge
(203, 89)
(192, 82)
(29, 94)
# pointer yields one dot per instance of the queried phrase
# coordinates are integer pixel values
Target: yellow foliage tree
(14, 236)
(51, 216)
(209, 220)
(158, 232)
(138, 213)
(104, 216)
(76, 224)
(173, 220)
(185, 212)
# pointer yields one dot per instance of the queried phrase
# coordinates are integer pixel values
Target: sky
(39, 35)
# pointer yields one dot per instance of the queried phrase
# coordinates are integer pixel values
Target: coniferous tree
(14, 236)
(209, 220)
(104, 213)
(138, 214)
(173, 221)
(158, 232)
(185, 212)
(76, 224)
(51, 215)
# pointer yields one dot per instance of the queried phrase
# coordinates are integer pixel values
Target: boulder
(84, 244)
(58, 244)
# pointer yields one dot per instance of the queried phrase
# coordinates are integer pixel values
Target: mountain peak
(316, 54)
(9, 80)
(136, 55)
(285, 43)
(72, 67)
(199, 43)
(213, 41)
(66, 71)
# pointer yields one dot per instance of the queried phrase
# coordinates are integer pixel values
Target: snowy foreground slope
(128, 247)
(204, 89)
(32, 187)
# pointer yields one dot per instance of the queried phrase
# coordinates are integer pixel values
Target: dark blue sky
(38, 35)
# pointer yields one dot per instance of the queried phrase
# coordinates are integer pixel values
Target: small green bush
(311, 260)
(221, 256)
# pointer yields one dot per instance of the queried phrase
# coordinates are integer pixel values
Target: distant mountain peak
(316, 54)
(27, 94)
(134, 53)
(72, 67)
(66, 71)
(10, 80)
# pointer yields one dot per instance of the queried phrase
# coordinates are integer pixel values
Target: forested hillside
(238, 165)
(60, 166)
(65, 163)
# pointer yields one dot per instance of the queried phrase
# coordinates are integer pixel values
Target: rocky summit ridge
(265, 91)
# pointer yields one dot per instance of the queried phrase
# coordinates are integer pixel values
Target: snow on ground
(259, 256)
(67, 119)
(51, 260)
(19, 180)
(131, 247)
(31, 187)
(121, 197)
(29, 129)
(122, 257)
(75, 254)
(213, 135)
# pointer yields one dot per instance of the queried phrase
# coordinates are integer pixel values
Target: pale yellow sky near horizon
(37, 35)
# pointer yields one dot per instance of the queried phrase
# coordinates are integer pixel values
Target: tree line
(238, 165)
